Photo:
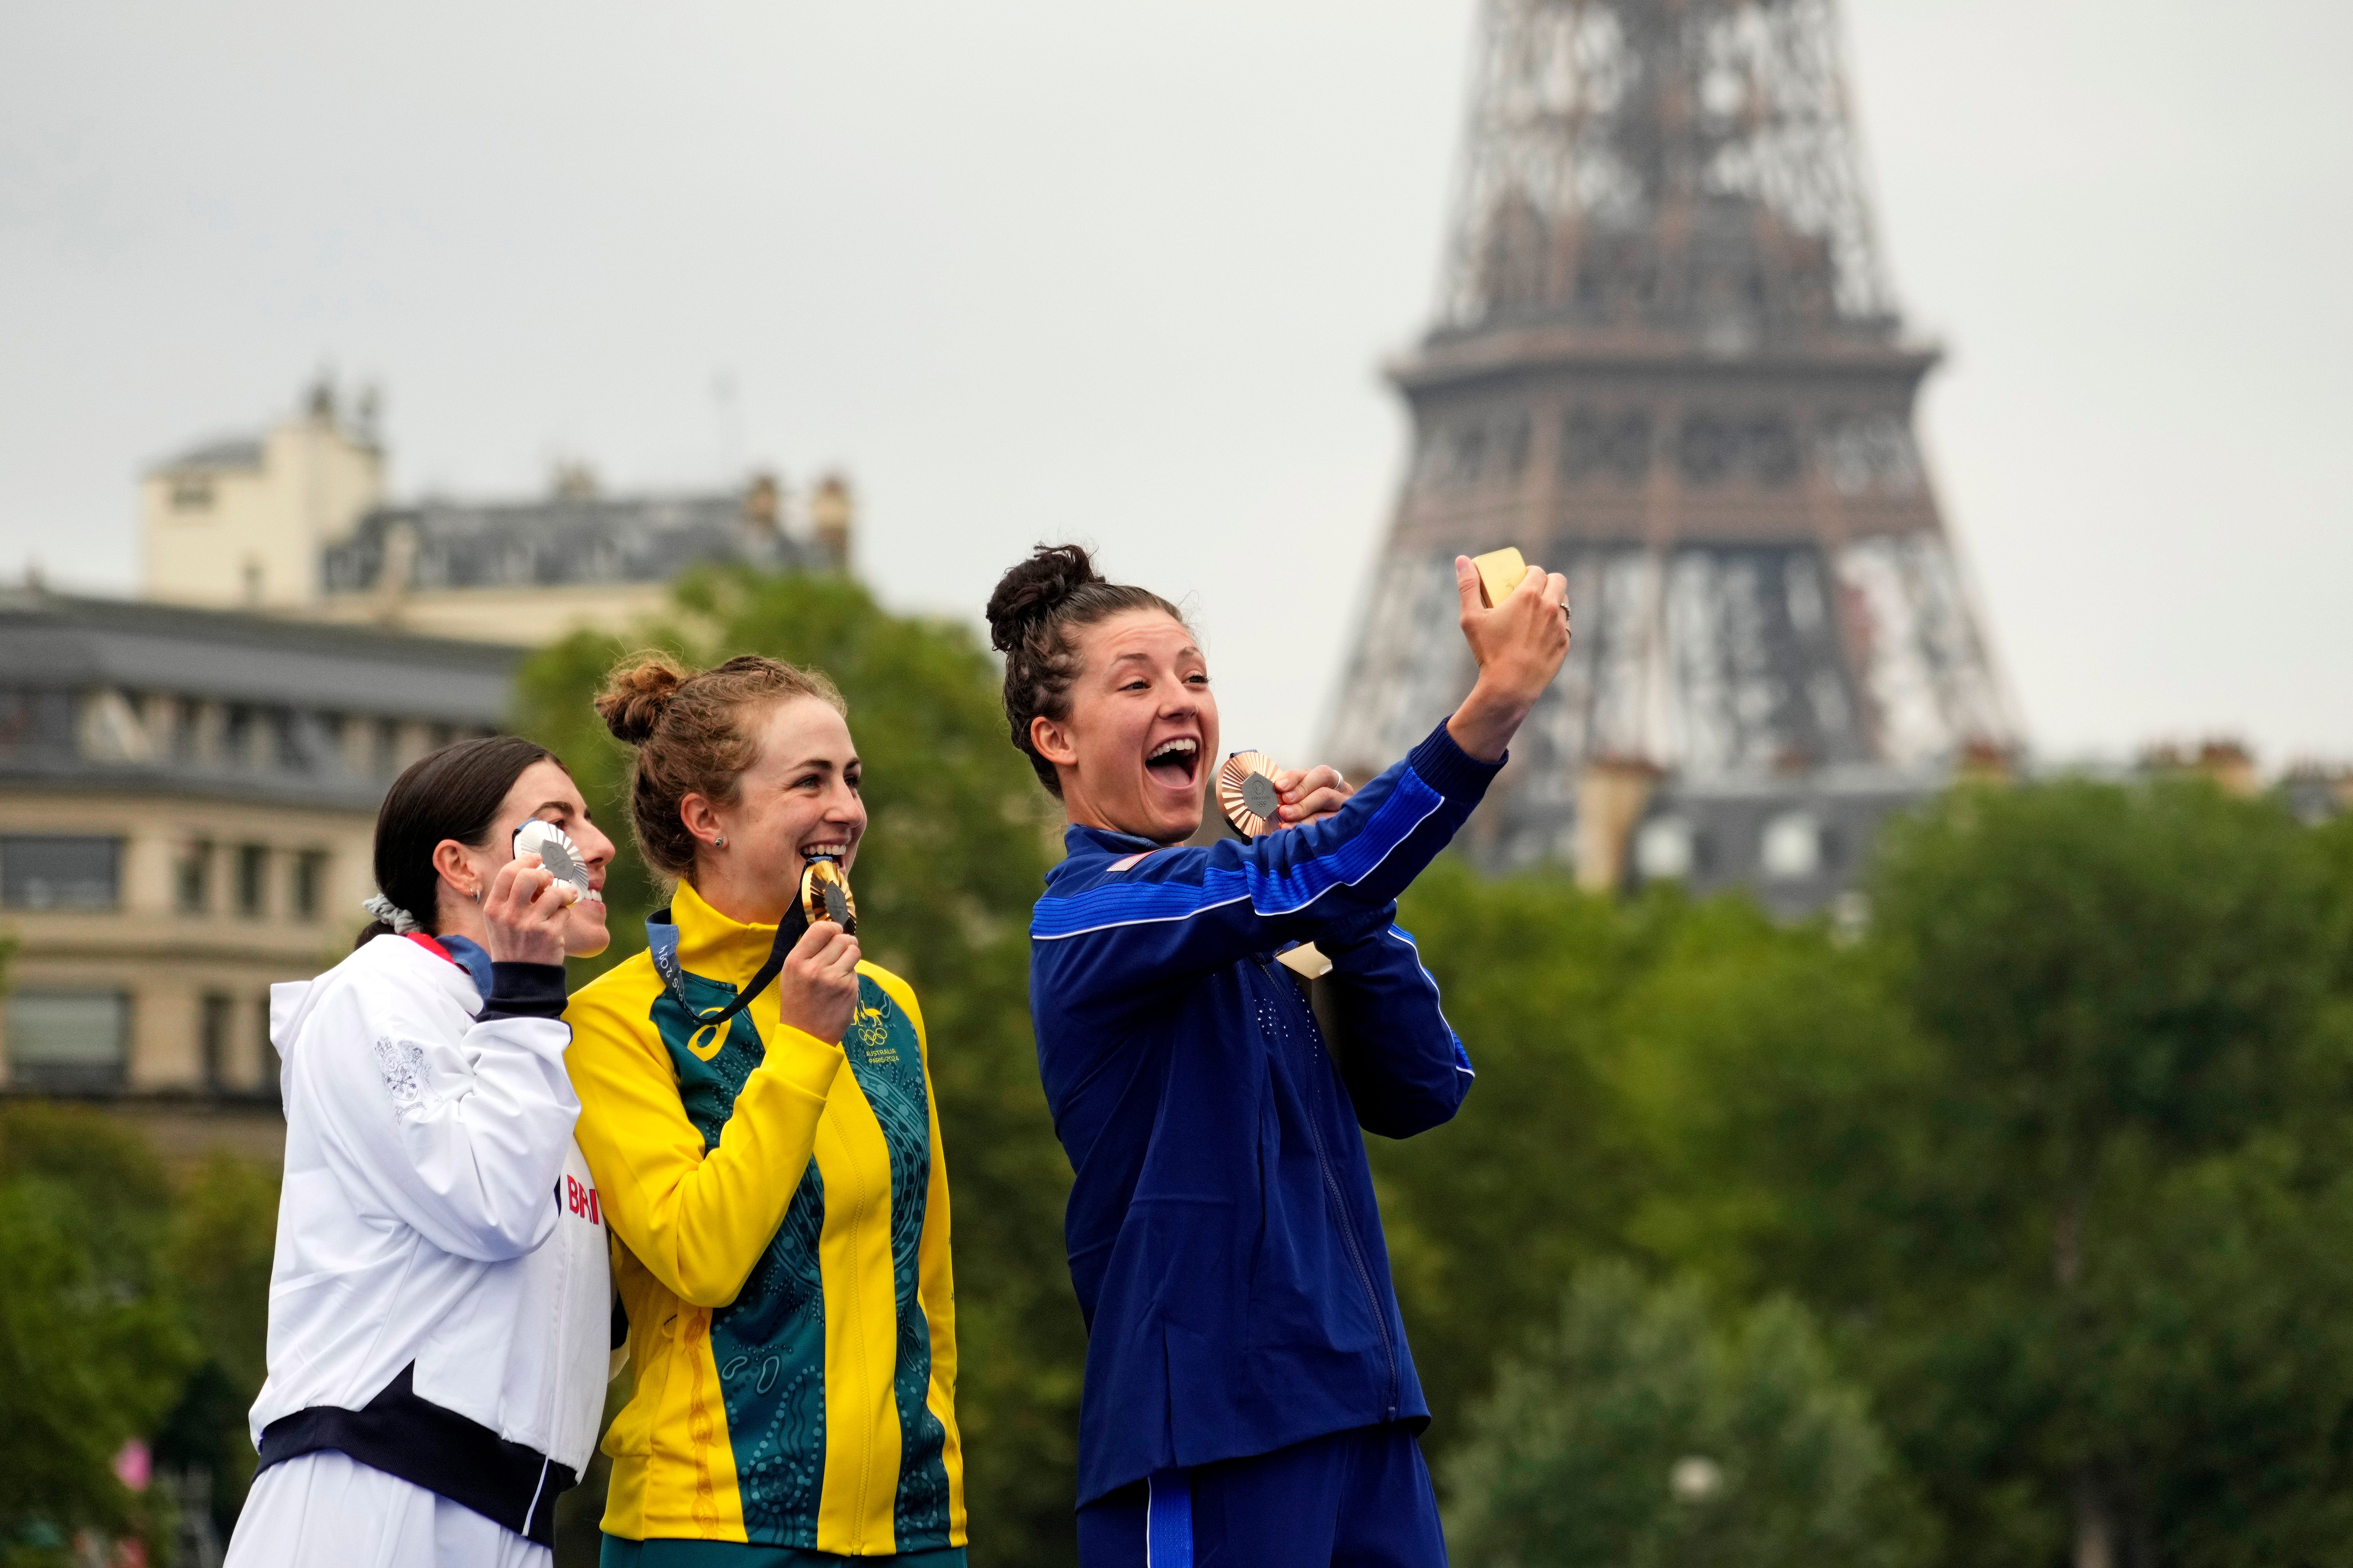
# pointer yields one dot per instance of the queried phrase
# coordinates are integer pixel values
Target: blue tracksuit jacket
(1223, 1237)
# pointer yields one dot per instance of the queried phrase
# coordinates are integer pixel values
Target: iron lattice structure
(1667, 363)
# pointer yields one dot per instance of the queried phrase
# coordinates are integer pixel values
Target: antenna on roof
(730, 413)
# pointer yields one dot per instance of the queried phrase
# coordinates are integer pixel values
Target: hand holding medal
(824, 968)
(1250, 794)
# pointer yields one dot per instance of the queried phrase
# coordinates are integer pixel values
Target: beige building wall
(181, 946)
(237, 529)
(526, 618)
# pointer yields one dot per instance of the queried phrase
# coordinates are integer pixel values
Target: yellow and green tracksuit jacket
(780, 1232)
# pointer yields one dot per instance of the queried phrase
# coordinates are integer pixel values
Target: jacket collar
(714, 945)
(1084, 842)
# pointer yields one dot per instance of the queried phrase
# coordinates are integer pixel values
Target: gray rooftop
(228, 452)
(558, 540)
(106, 693)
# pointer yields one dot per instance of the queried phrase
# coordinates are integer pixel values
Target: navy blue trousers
(1354, 1500)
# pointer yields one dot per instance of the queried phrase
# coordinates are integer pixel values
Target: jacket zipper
(1340, 1206)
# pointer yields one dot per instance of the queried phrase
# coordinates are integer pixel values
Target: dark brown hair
(1037, 607)
(454, 793)
(693, 737)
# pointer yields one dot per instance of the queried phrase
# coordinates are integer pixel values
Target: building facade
(1666, 362)
(187, 810)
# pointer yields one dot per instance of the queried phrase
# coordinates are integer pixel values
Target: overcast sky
(1126, 273)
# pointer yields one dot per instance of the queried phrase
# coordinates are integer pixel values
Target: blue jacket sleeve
(1112, 939)
(1406, 1069)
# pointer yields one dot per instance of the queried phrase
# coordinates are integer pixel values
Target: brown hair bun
(1032, 590)
(635, 693)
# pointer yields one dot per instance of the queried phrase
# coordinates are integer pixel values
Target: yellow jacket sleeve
(697, 1221)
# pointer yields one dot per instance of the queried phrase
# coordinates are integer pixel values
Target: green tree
(953, 859)
(91, 1348)
(2059, 1154)
(218, 1253)
(1641, 1435)
(1487, 1217)
(2129, 993)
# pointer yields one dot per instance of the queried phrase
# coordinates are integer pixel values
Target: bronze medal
(1246, 793)
(824, 896)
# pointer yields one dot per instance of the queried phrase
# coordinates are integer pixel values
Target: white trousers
(325, 1508)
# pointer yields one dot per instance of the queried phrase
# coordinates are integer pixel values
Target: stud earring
(719, 842)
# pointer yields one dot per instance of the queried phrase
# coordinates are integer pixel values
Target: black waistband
(441, 1450)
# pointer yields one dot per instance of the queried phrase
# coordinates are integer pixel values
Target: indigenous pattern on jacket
(792, 1333)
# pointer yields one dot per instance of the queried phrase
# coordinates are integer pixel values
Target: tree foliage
(1642, 1433)
(92, 1351)
(2058, 1153)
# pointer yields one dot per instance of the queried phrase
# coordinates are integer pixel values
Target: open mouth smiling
(1175, 761)
(830, 849)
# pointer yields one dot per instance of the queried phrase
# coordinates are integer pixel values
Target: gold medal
(1246, 793)
(824, 896)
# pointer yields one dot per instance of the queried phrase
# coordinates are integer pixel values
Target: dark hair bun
(1031, 589)
(635, 694)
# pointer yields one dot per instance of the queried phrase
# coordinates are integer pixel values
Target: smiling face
(1132, 753)
(546, 792)
(799, 800)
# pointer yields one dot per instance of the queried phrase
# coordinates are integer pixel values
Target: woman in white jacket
(439, 1303)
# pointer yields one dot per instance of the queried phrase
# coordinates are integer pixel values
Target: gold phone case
(1500, 572)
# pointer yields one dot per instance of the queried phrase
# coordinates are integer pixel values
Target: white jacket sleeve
(462, 1139)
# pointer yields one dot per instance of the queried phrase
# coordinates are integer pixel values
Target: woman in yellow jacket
(769, 1169)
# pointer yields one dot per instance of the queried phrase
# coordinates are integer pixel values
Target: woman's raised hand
(524, 910)
(1519, 644)
(817, 993)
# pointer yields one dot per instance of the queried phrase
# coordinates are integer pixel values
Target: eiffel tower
(1667, 363)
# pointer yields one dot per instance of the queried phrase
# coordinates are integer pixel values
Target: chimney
(2226, 763)
(2231, 767)
(574, 481)
(1986, 762)
(763, 507)
(832, 513)
(1611, 794)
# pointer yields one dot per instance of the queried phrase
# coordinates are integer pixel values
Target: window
(214, 1038)
(236, 737)
(67, 1042)
(252, 880)
(192, 492)
(388, 747)
(310, 883)
(192, 878)
(1792, 849)
(44, 871)
(287, 752)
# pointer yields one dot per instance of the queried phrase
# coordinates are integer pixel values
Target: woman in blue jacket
(1250, 1399)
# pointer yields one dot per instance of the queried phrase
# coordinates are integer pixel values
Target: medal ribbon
(661, 945)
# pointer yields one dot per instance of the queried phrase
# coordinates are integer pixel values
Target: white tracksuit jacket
(440, 1299)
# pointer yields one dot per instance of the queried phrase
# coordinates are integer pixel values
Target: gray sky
(1125, 272)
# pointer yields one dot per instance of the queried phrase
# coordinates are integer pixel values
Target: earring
(719, 842)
